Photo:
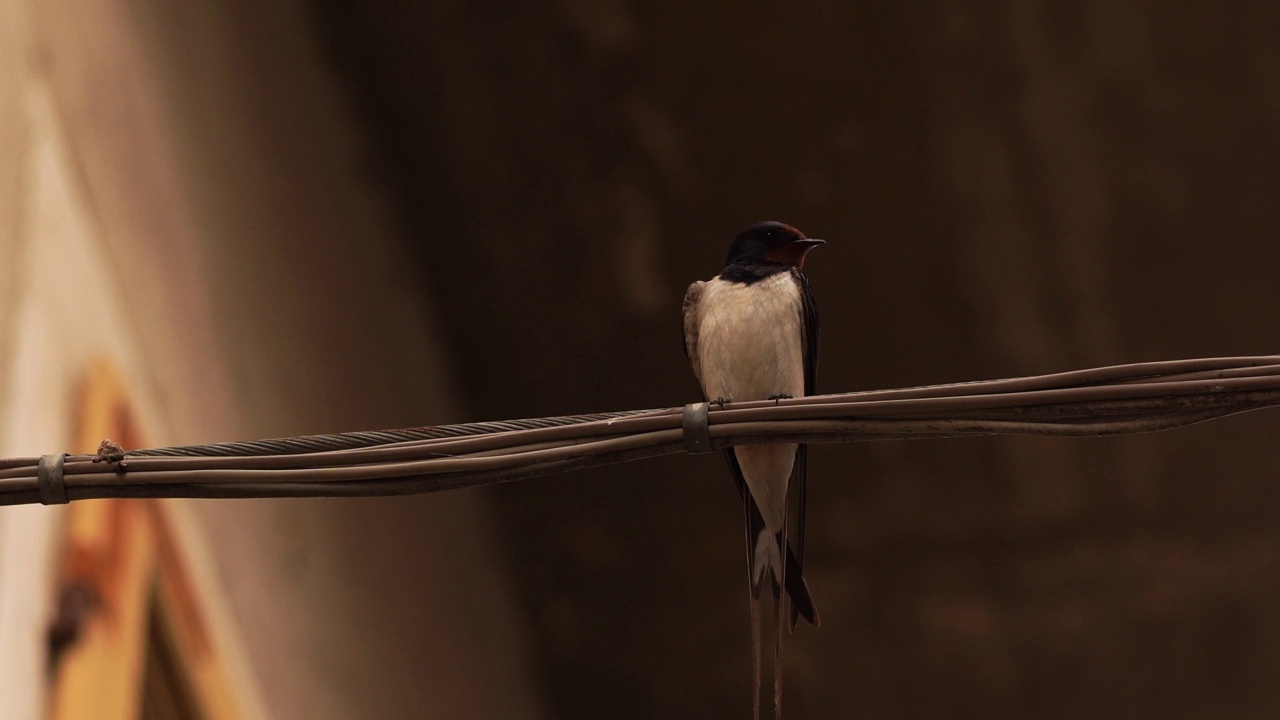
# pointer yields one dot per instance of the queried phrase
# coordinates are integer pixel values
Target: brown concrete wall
(1008, 188)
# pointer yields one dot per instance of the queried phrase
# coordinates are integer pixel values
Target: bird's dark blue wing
(810, 327)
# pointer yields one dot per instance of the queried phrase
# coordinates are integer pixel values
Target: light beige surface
(193, 194)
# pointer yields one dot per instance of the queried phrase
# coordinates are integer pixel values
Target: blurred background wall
(336, 215)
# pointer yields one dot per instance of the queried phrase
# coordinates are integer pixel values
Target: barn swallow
(751, 333)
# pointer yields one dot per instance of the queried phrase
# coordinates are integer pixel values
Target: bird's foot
(780, 396)
(722, 401)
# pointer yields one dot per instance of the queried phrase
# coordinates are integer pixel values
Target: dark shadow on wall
(1010, 189)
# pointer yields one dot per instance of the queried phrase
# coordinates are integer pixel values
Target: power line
(1111, 400)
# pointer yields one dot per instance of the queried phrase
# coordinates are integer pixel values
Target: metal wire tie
(50, 479)
(697, 428)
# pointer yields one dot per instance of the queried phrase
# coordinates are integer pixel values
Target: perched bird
(751, 333)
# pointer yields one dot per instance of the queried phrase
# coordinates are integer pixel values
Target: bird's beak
(810, 243)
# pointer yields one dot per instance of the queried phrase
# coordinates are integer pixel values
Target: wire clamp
(51, 481)
(697, 428)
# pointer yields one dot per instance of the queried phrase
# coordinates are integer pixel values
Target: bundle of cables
(1103, 401)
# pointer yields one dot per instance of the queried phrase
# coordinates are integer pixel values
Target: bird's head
(771, 242)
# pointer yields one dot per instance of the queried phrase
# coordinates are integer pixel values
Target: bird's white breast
(750, 348)
(749, 339)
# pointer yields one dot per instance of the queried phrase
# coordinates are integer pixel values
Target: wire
(1112, 400)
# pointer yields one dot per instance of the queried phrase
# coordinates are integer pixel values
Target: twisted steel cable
(1112, 400)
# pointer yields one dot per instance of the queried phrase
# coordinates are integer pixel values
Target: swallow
(751, 333)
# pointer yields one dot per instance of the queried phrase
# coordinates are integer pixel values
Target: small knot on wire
(696, 423)
(50, 479)
(112, 454)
